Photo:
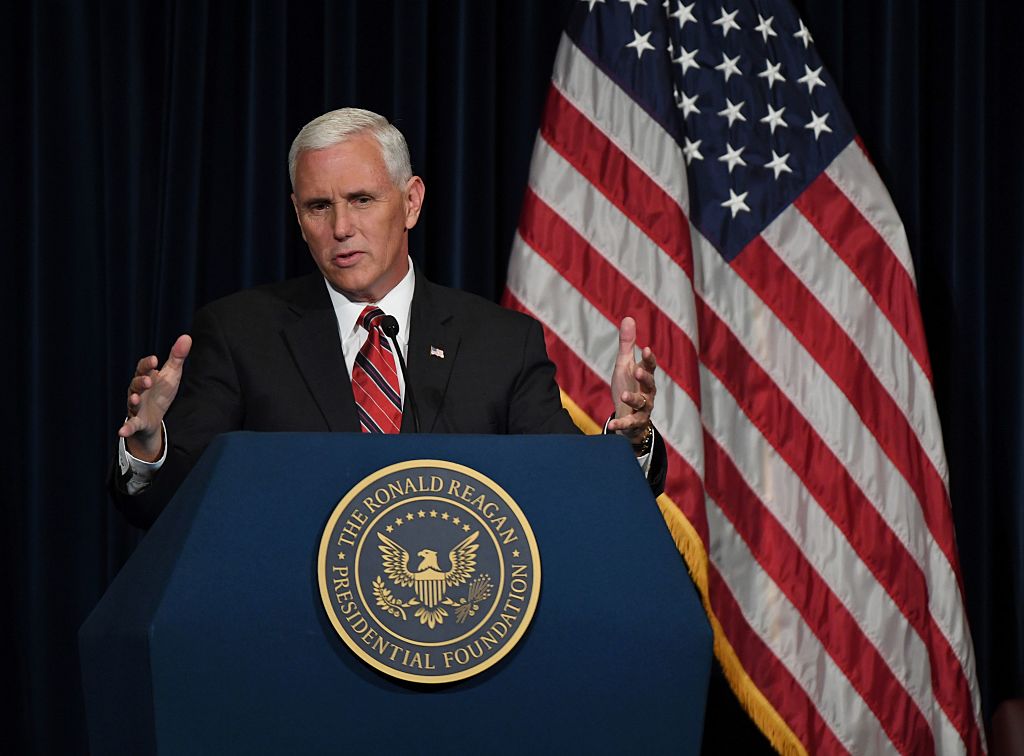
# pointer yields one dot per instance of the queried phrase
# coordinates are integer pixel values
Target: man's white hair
(338, 125)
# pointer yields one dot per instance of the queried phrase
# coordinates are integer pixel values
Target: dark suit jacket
(270, 359)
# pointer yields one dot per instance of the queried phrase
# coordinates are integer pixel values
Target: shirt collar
(397, 303)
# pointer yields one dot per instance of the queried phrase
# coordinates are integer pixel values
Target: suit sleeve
(535, 405)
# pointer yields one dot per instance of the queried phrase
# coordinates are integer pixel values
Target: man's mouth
(347, 257)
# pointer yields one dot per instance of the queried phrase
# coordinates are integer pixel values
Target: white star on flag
(691, 150)
(732, 112)
(811, 78)
(778, 164)
(774, 118)
(728, 66)
(803, 35)
(687, 104)
(818, 124)
(727, 22)
(686, 59)
(640, 43)
(765, 27)
(771, 72)
(735, 203)
(683, 14)
(732, 158)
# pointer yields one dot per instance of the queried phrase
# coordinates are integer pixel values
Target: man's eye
(319, 207)
(362, 201)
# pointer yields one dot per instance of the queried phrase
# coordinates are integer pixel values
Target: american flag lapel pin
(435, 352)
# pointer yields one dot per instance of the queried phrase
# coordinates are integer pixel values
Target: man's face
(353, 217)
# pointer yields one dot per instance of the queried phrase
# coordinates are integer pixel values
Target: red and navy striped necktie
(375, 379)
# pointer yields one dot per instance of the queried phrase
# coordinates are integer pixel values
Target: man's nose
(343, 227)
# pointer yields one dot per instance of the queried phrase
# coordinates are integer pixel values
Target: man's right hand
(150, 394)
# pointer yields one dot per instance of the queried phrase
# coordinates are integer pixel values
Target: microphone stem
(408, 385)
(389, 327)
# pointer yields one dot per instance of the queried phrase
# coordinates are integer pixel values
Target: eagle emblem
(429, 582)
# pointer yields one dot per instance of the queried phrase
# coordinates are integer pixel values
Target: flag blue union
(696, 168)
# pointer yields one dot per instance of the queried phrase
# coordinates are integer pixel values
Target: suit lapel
(316, 347)
(433, 345)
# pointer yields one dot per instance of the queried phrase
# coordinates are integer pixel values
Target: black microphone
(389, 325)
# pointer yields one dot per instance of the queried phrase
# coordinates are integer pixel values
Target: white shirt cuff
(142, 473)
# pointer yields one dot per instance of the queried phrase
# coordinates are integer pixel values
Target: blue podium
(214, 638)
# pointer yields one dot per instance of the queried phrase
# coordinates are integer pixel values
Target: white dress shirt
(397, 303)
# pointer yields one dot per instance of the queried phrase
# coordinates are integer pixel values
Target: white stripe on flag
(825, 546)
(780, 626)
(595, 340)
(812, 260)
(829, 412)
(623, 122)
(613, 235)
(852, 172)
(809, 388)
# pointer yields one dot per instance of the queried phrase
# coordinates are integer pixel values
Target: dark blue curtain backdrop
(143, 155)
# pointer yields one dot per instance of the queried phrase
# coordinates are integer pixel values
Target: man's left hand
(633, 388)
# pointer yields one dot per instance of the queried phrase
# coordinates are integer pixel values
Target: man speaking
(328, 351)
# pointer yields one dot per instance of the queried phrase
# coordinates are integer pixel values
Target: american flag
(696, 169)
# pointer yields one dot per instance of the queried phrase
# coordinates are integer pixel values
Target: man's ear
(414, 191)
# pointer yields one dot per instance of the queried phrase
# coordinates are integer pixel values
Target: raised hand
(633, 388)
(150, 394)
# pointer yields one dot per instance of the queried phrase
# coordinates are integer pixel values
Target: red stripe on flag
(611, 293)
(838, 495)
(684, 487)
(575, 378)
(582, 144)
(860, 246)
(593, 396)
(573, 136)
(838, 356)
(784, 562)
(770, 675)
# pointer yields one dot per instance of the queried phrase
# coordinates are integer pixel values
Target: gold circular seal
(429, 571)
